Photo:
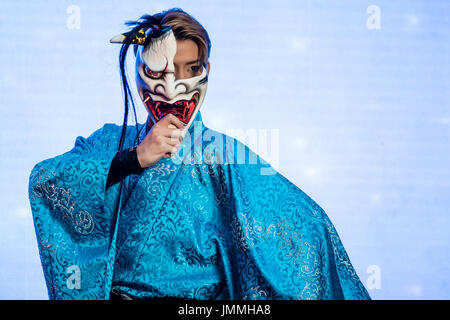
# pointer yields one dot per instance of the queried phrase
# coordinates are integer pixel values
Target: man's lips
(182, 109)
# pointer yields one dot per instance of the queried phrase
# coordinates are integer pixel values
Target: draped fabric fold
(204, 224)
(73, 217)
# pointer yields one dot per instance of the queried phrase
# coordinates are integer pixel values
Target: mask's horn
(131, 37)
(141, 36)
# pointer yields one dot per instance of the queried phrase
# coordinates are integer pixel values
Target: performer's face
(170, 78)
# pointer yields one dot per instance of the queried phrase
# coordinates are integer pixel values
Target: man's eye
(194, 69)
(152, 74)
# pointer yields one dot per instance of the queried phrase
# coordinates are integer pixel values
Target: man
(171, 208)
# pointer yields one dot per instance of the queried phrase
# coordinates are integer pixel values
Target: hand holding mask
(162, 141)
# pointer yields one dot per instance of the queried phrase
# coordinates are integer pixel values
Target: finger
(169, 149)
(176, 134)
(171, 141)
(166, 146)
(170, 119)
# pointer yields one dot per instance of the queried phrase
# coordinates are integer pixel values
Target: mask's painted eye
(152, 74)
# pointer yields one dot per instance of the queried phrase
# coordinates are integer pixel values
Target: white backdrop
(358, 91)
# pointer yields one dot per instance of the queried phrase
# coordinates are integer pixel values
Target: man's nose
(170, 88)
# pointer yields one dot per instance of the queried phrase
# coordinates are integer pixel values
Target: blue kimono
(215, 221)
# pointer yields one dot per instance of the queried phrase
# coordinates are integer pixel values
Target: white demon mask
(158, 88)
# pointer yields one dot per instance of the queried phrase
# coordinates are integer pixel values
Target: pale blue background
(363, 116)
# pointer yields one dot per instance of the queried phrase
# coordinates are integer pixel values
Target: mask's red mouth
(182, 109)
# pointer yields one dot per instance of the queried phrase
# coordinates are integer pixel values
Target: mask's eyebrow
(164, 70)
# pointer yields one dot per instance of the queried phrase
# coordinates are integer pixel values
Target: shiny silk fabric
(198, 225)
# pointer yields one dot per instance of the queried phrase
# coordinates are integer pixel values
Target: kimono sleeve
(285, 246)
(74, 217)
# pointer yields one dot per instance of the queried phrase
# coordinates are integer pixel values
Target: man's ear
(207, 67)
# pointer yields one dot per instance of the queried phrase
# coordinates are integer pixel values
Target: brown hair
(184, 27)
